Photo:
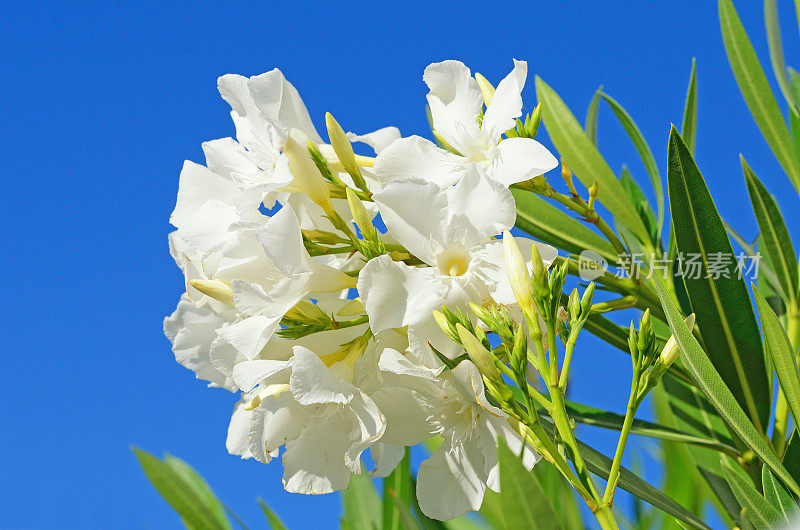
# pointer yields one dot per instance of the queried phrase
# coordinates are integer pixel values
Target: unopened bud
(307, 176)
(483, 358)
(538, 268)
(352, 308)
(644, 331)
(486, 88)
(445, 325)
(536, 119)
(216, 289)
(360, 214)
(342, 146)
(586, 299)
(517, 272)
(594, 191)
(670, 351)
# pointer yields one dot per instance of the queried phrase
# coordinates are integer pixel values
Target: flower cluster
(277, 231)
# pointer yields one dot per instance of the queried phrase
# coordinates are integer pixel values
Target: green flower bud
(483, 358)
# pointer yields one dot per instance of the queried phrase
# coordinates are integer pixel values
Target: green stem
(568, 349)
(630, 414)
(605, 516)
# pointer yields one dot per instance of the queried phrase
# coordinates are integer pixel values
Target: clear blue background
(101, 102)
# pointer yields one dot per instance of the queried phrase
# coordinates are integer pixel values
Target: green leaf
(689, 124)
(641, 204)
(780, 351)
(183, 496)
(609, 420)
(776, 495)
(712, 385)
(756, 91)
(199, 486)
(791, 456)
(644, 153)
(776, 54)
(525, 502)
(758, 510)
(362, 506)
(722, 305)
(560, 494)
(274, 521)
(547, 223)
(776, 241)
(397, 486)
(585, 161)
(591, 116)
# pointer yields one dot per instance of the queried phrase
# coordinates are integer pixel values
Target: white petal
(197, 186)
(377, 140)
(368, 425)
(506, 104)
(236, 443)
(479, 207)
(192, 330)
(467, 379)
(228, 157)
(519, 159)
(249, 336)
(396, 295)
(386, 458)
(417, 157)
(488, 264)
(406, 418)
(312, 382)
(314, 462)
(279, 100)
(448, 483)
(415, 213)
(455, 100)
(283, 242)
(248, 374)
(275, 422)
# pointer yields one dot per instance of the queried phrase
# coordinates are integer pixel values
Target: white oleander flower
(450, 231)
(454, 479)
(302, 276)
(456, 105)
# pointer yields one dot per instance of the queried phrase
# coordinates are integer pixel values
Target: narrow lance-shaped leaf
(198, 484)
(520, 490)
(756, 90)
(273, 520)
(717, 292)
(547, 223)
(362, 506)
(183, 497)
(644, 153)
(689, 124)
(712, 385)
(775, 237)
(585, 160)
(776, 54)
(781, 353)
(757, 509)
(591, 116)
(777, 496)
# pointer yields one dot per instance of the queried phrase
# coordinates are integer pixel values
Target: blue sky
(102, 102)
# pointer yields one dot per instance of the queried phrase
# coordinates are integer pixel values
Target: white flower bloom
(302, 276)
(314, 409)
(456, 103)
(454, 479)
(191, 330)
(450, 230)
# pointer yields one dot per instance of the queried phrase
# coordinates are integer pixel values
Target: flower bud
(539, 270)
(342, 147)
(670, 351)
(307, 176)
(535, 120)
(574, 305)
(644, 331)
(216, 289)
(360, 214)
(445, 325)
(517, 273)
(483, 358)
(519, 354)
(586, 299)
(486, 88)
(594, 191)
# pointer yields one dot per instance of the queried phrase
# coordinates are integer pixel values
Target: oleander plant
(360, 306)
